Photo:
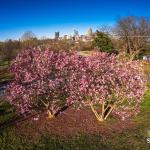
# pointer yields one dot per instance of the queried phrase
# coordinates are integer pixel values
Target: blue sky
(44, 17)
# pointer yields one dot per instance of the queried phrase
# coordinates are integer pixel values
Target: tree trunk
(98, 116)
(50, 115)
(61, 110)
(105, 112)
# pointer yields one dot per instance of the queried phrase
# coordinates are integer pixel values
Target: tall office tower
(56, 35)
(90, 32)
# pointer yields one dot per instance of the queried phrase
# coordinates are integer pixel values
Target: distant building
(83, 38)
(69, 37)
(76, 37)
(65, 37)
(146, 58)
(90, 32)
(56, 35)
(76, 33)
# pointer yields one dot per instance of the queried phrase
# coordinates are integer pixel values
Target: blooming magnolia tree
(41, 79)
(49, 80)
(109, 85)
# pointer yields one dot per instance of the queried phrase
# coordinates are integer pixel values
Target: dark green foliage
(6, 111)
(103, 42)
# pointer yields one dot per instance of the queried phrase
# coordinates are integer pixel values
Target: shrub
(103, 42)
(111, 85)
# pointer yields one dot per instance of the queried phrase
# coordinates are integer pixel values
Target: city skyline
(50, 32)
(44, 17)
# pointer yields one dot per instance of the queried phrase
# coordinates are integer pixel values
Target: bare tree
(106, 29)
(28, 35)
(134, 34)
(29, 40)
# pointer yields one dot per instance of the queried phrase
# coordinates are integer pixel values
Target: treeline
(10, 48)
(129, 37)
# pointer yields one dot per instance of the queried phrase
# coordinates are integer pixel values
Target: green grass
(4, 63)
(4, 73)
(6, 111)
(134, 140)
(143, 119)
(5, 77)
(146, 102)
(47, 142)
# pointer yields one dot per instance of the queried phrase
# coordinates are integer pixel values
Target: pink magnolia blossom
(50, 80)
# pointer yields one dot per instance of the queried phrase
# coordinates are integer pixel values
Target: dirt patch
(72, 123)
